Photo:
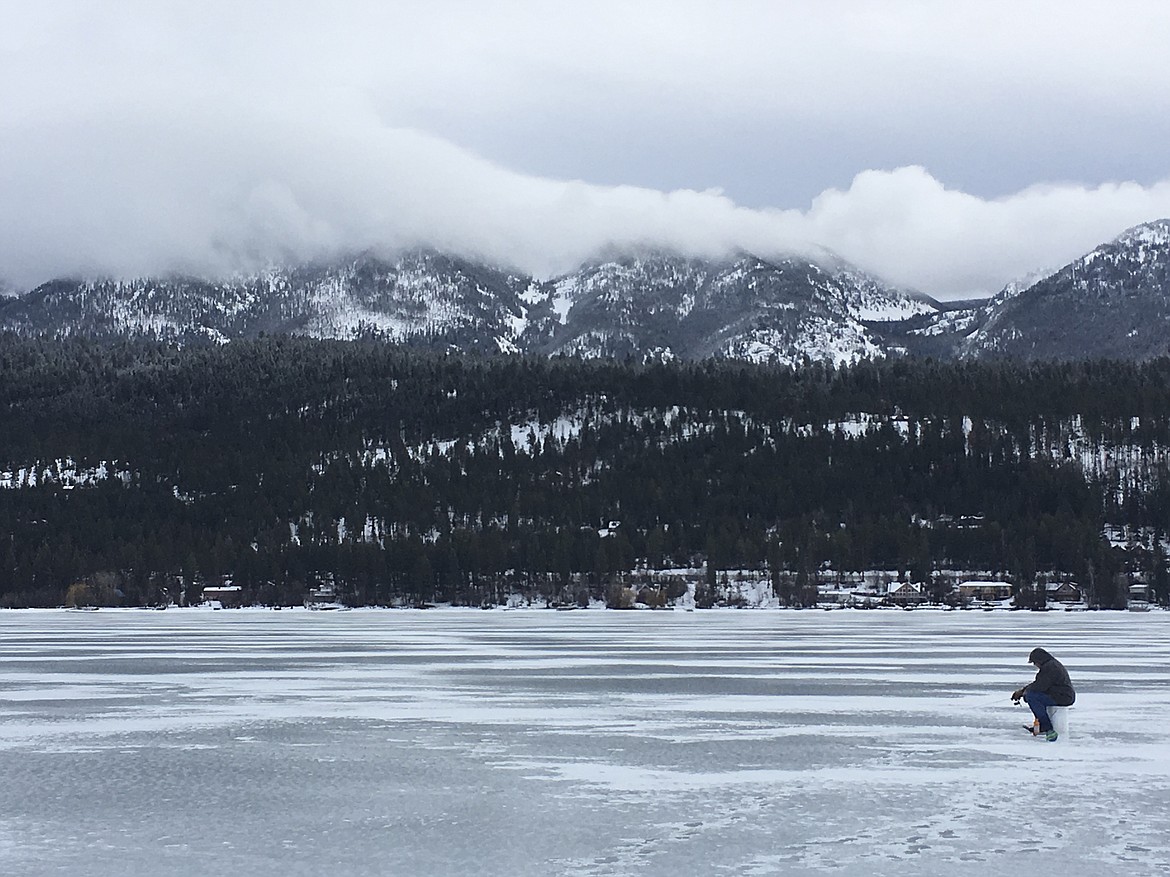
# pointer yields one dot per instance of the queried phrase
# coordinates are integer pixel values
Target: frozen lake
(459, 742)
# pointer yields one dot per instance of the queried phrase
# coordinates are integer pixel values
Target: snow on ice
(577, 743)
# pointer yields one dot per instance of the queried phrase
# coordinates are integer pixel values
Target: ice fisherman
(1051, 687)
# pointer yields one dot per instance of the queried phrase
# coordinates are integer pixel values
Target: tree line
(402, 476)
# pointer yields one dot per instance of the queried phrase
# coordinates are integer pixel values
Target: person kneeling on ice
(1051, 687)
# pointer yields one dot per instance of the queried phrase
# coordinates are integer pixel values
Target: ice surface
(594, 742)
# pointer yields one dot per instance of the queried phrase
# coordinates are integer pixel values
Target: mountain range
(1114, 302)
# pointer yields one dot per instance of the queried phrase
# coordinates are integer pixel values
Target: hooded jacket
(1051, 679)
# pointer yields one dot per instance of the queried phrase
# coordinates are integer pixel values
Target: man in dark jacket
(1051, 687)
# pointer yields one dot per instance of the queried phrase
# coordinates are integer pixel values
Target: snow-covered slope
(661, 305)
(652, 305)
(422, 297)
(1113, 302)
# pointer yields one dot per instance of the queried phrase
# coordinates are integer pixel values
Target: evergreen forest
(142, 471)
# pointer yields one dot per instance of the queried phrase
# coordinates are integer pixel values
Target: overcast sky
(949, 147)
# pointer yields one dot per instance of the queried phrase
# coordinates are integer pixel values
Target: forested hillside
(407, 477)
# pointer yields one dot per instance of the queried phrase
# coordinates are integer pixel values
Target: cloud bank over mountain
(215, 137)
(213, 192)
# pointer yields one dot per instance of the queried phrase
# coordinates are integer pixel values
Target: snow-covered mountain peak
(647, 303)
(1155, 234)
(633, 304)
(1138, 249)
(1112, 302)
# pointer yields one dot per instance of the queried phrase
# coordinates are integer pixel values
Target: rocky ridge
(1114, 302)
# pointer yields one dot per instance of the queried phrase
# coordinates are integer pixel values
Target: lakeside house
(1139, 596)
(323, 596)
(1063, 592)
(984, 591)
(226, 596)
(906, 594)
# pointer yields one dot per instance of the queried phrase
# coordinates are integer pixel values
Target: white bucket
(1059, 717)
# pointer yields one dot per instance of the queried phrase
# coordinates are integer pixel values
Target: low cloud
(224, 188)
(905, 226)
(143, 137)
